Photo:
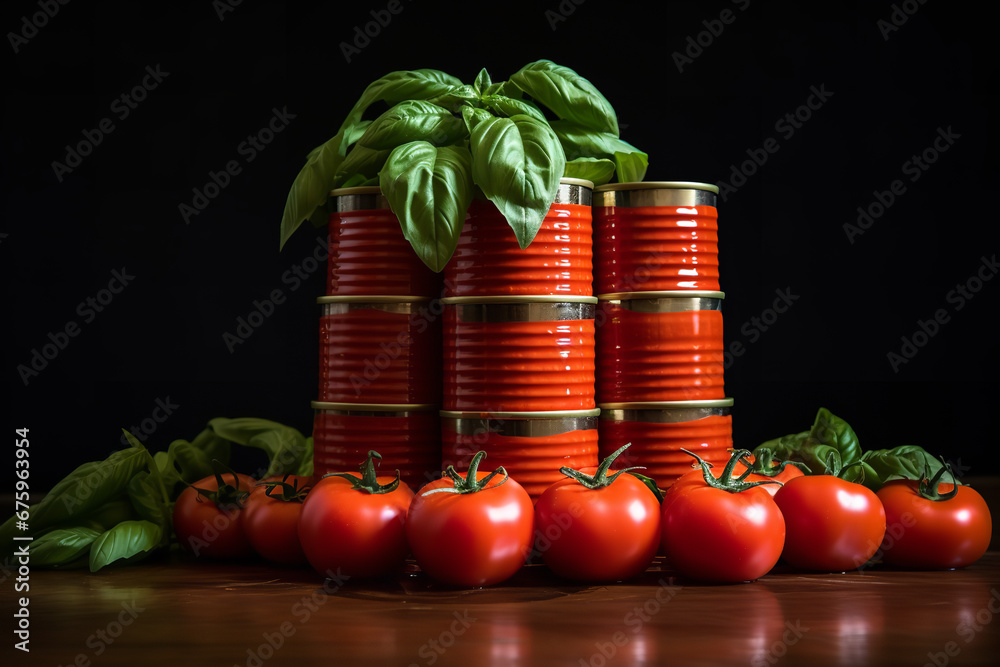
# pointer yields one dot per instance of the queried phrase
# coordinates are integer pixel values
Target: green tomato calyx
(470, 483)
(600, 478)
(725, 481)
(928, 486)
(368, 482)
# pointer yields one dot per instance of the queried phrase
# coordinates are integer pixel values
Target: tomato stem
(227, 496)
(368, 482)
(725, 480)
(928, 488)
(470, 483)
(765, 464)
(290, 493)
(600, 478)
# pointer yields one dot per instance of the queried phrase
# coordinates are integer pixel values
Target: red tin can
(368, 253)
(407, 437)
(658, 431)
(530, 446)
(660, 346)
(380, 350)
(489, 262)
(519, 354)
(656, 236)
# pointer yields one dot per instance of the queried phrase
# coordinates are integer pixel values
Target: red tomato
(347, 529)
(832, 525)
(606, 533)
(788, 473)
(473, 538)
(207, 520)
(925, 533)
(271, 518)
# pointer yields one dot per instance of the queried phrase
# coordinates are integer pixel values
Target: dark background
(161, 338)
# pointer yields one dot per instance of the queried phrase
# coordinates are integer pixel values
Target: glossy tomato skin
(204, 529)
(352, 532)
(832, 525)
(473, 539)
(272, 524)
(605, 534)
(716, 536)
(933, 534)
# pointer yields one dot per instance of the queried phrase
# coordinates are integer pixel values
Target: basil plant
(442, 142)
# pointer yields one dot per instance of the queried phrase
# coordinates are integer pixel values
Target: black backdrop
(869, 86)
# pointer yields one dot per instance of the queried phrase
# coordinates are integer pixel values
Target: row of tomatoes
(594, 525)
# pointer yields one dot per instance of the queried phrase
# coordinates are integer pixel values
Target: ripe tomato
(934, 525)
(719, 529)
(353, 524)
(207, 517)
(271, 518)
(593, 526)
(832, 525)
(785, 472)
(472, 531)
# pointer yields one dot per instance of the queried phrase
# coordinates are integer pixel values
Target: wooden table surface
(174, 610)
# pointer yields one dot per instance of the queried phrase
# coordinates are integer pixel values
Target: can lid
(658, 185)
(670, 294)
(375, 407)
(565, 180)
(550, 414)
(668, 405)
(518, 298)
(374, 298)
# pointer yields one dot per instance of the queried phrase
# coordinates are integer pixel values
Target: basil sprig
(417, 152)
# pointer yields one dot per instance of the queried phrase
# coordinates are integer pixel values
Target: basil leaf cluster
(442, 142)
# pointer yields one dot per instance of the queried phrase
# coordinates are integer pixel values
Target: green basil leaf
(631, 167)
(361, 160)
(395, 87)
(570, 96)
(579, 141)
(903, 462)
(828, 429)
(62, 546)
(597, 170)
(148, 501)
(457, 98)
(241, 430)
(285, 446)
(429, 188)
(504, 106)
(128, 541)
(517, 162)
(482, 82)
(413, 120)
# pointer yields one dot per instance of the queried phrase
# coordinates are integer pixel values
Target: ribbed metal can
(368, 254)
(559, 261)
(658, 432)
(531, 446)
(518, 354)
(656, 236)
(381, 350)
(407, 437)
(660, 346)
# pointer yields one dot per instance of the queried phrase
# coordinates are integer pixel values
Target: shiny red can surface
(658, 346)
(530, 446)
(489, 262)
(368, 254)
(658, 432)
(656, 236)
(407, 437)
(378, 351)
(519, 355)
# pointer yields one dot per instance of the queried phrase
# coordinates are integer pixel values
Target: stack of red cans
(659, 342)
(380, 346)
(519, 343)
